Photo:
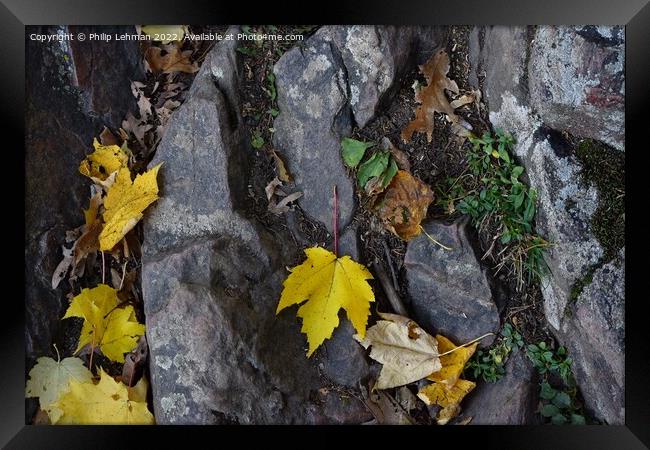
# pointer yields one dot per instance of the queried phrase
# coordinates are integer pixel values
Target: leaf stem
(335, 223)
(58, 356)
(466, 344)
(433, 240)
(103, 269)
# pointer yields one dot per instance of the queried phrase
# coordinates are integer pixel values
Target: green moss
(604, 167)
(586, 280)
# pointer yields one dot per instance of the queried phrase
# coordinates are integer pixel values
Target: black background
(14, 14)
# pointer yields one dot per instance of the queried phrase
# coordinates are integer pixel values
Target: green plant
(546, 360)
(491, 193)
(257, 141)
(490, 364)
(558, 406)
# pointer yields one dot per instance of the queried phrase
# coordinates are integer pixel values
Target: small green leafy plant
(380, 167)
(558, 403)
(490, 365)
(492, 194)
(547, 360)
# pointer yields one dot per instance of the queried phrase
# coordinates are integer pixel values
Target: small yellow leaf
(125, 203)
(442, 395)
(328, 284)
(115, 331)
(49, 379)
(453, 363)
(105, 160)
(407, 352)
(105, 403)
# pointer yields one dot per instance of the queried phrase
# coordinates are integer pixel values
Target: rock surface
(577, 81)
(539, 83)
(509, 401)
(60, 125)
(339, 78)
(212, 278)
(449, 290)
(595, 336)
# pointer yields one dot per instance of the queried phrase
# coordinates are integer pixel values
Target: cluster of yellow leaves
(68, 395)
(49, 379)
(106, 403)
(327, 284)
(125, 200)
(447, 389)
(113, 330)
(408, 354)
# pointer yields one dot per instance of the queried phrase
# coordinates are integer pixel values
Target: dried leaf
(134, 363)
(283, 205)
(404, 205)
(400, 157)
(327, 284)
(113, 330)
(432, 97)
(386, 409)
(453, 363)
(106, 137)
(271, 187)
(62, 267)
(49, 379)
(448, 398)
(104, 403)
(174, 59)
(125, 203)
(463, 100)
(144, 105)
(406, 351)
(280, 167)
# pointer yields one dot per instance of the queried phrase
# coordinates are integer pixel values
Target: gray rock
(503, 59)
(577, 81)
(60, 126)
(566, 79)
(449, 290)
(337, 79)
(211, 281)
(595, 337)
(564, 207)
(509, 401)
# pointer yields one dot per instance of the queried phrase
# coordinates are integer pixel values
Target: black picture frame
(634, 14)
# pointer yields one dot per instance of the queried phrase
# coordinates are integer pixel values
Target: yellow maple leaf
(125, 203)
(105, 403)
(115, 331)
(328, 284)
(453, 363)
(49, 379)
(105, 160)
(440, 394)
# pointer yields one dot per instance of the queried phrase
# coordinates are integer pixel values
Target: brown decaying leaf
(404, 205)
(281, 168)
(385, 409)
(273, 192)
(432, 97)
(400, 157)
(107, 137)
(174, 60)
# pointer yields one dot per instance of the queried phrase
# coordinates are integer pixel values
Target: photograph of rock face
(325, 225)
